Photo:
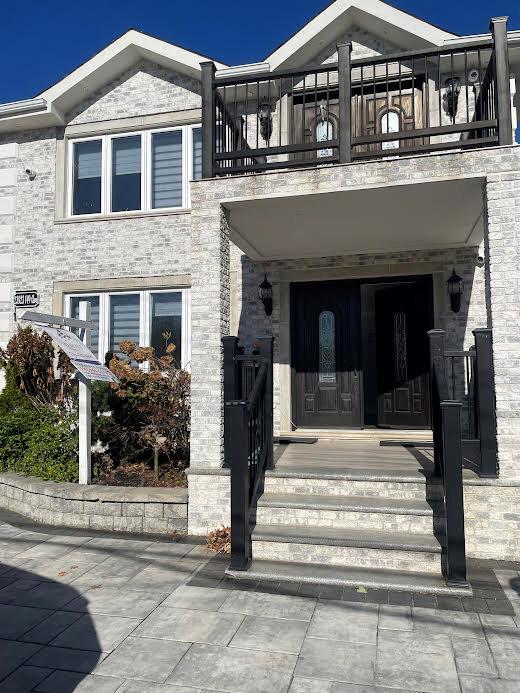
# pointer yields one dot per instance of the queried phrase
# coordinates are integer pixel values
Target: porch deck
(332, 457)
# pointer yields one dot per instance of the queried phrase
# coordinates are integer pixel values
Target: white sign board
(80, 355)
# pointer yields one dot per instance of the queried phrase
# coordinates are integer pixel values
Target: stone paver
(86, 612)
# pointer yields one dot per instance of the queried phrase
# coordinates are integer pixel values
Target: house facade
(166, 188)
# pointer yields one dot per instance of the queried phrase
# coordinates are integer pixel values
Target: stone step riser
(341, 519)
(387, 559)
(347, 487)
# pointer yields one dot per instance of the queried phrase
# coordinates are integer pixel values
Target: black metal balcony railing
(393, 105)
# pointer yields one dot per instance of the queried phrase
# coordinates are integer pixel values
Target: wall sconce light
(265, 119)
(452, 85)
(265, 294)
(455, 290)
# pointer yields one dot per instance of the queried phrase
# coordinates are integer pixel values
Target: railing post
(345, 95)
(498, 29)
(230, 348)
(241, 550)
(485, 395)
(208, 118)
(266, 351)
(455, 567)
(436, 338)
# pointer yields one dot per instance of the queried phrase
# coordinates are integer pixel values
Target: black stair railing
(447, 442)
(470, 379)
(248, 436)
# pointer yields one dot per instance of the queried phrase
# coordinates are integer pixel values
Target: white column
(85, 465)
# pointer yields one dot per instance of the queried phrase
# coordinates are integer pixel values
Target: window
(126, 173)
(149, 318)
(86, 175)
(390, 122)
(139, 172)
(324, 132)
(327, 346)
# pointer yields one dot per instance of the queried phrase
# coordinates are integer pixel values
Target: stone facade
(143, 89)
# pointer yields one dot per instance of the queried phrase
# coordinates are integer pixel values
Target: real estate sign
(80, 355)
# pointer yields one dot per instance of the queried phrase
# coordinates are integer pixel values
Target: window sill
(122, 215)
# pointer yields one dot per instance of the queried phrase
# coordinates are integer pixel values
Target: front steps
(345, 514)
(280, 571)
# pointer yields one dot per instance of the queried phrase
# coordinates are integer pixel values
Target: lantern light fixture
(265, 294)
(455, 290)
(452, 85)
(265, 118)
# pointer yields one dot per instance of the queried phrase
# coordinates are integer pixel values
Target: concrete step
(359, 548)
(277, 571)
(380, 483)
(369, 512)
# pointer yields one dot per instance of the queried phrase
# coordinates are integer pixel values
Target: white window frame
(146, 171)
(145, 317)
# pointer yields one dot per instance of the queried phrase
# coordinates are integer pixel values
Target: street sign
(80, 355)
(26, 299)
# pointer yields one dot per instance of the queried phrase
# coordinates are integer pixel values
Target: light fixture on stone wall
(265, 294)
(455, 290)
(265, 119)
(452, 85)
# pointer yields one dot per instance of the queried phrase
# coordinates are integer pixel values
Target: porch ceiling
(405, 217)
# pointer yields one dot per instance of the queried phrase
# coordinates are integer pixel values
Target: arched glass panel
(327, 346)
(324, 132)
(400, 351)
(390, 122)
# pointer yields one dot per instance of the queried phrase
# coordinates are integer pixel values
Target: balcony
(455, 97)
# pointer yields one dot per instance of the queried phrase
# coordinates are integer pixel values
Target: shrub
(151, 409)
(29, 358)
(38, 432)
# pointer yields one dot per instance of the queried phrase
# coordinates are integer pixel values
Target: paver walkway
(81, 611)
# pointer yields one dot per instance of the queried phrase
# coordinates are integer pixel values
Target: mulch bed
(141, 474)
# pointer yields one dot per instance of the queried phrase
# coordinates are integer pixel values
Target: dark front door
(326, 355)
(403, 318)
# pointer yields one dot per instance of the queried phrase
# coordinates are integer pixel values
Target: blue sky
(42, 40)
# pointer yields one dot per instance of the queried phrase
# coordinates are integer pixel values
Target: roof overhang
(49, 107)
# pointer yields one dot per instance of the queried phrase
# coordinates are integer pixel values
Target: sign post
(87, 365)
(85, 405)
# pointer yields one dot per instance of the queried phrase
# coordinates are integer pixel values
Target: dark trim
(502, 75)
(486, 407)
(208, 118)
(345, 115)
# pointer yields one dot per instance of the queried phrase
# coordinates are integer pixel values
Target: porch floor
(330, 457)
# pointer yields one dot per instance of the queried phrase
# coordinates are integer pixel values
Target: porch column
(210, 308)
(502, 290)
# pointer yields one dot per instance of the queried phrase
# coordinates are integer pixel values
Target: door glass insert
(324, 132)
(400, 355)
(327, 346)
(390, 122)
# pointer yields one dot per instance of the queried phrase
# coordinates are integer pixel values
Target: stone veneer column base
(209, 504)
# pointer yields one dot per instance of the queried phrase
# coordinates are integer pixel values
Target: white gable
(376, 20)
